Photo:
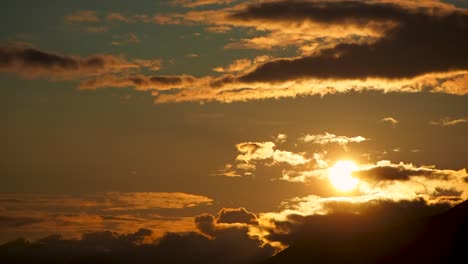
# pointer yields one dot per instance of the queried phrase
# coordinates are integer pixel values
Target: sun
(340, 175)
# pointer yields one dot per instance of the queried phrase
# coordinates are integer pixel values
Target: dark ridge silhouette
(348, 239)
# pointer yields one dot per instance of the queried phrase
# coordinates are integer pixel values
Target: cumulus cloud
(255, 150)
(281, 138)
(328, 138)
(258, 151)
(449, 121)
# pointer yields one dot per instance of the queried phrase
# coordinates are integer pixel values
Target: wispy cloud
(83, 16)
(197, 3)
(328, 138)
(448, 121)
(129, 38)
(390, 120)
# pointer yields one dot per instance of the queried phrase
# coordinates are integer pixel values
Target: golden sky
(201, 122)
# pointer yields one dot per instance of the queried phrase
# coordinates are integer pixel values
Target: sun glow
(340, 175)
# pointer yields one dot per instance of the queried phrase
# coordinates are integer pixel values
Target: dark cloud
(338, 12)
(206, 223)
(424, 40)
(31, 62)
(382, 239)
(141, 82)
(400, 172)
(238, 215)
(358, 217)
(226, 243)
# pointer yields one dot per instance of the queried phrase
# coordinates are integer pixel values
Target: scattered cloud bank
(388, 46)
(34, 215)
(221, 239)
(266, 153)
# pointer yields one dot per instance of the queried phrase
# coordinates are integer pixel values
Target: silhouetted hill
(353, 239)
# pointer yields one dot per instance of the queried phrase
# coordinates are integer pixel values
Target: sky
(218, 120)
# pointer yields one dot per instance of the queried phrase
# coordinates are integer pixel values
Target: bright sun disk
(340, 175)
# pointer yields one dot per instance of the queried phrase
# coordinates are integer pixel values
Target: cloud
(192, 56)
(197, 3)
(115, 16)
(390, 120)
(328, 138)
(106, 201)
(251, 151)
(236, 66)
(281, 138)
(255, 151)
(314, 216)
(126, 39)
(448, 121)
(142, 82)
(330, 36)
(36, 215)
(218, 29)
(221, 240)
(83, 16)
(289, 157)
(386, 171)
(303, 176)
(411, 32)
(31, 62)
(236, 215)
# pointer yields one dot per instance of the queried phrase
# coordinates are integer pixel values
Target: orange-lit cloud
(236, 66)
(196, 3)
(126, 39)
(83, 16)
(255, 151)
(35, 215)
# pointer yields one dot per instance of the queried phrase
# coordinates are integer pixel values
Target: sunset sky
(211, 118)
